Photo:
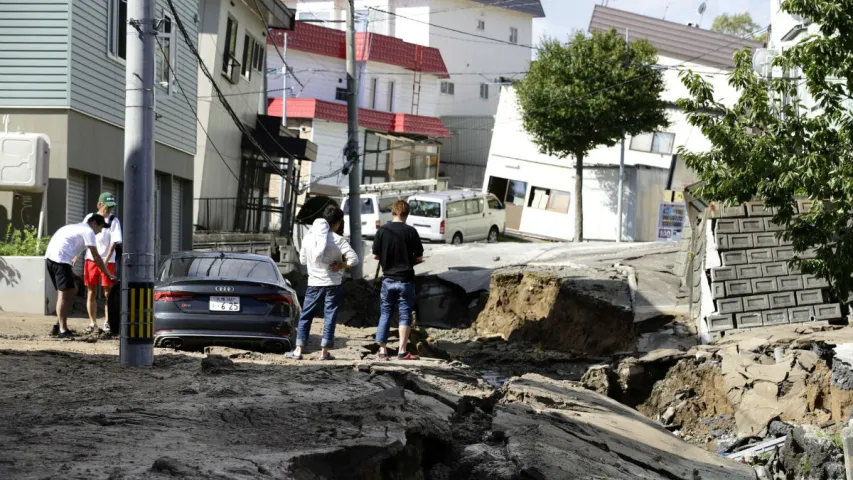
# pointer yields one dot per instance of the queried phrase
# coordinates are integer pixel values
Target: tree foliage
(580, 95)
(737, 24)
(771, 147)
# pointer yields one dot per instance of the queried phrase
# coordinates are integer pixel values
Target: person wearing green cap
(107, 242)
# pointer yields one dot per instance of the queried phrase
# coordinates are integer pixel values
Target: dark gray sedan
(227, 299)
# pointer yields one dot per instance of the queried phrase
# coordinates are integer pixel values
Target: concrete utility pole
(352, 146)
(621, 163)
(284, 187)
(137, 294)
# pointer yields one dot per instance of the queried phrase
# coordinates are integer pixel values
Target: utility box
(24, 162)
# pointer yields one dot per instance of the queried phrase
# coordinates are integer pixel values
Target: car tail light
(277, 299)
(377, 224)
(441, 228)
(171, 296)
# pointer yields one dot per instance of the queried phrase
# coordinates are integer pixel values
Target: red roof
(307, 37)
(367, 118)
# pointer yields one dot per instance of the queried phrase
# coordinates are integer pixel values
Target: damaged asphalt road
(218, 417)
(68, 409)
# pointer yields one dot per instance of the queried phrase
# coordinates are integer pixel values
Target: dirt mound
(560, 309)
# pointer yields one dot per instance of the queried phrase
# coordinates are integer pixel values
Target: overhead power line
(280, 54)
(223, 100)
(174, 75)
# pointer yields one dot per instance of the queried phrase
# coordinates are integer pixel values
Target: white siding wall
(330, 138)
(473, 56)
(511, 141)
(322, 75)
(462, 53)
(514, 156)
(319, 74)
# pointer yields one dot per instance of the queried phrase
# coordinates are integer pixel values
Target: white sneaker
(106, 327)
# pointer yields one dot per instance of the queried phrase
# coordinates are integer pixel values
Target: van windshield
(366, 206)
(423, 208)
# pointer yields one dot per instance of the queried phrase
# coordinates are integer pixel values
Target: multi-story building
(786, 31)
(63, 67)
(232, 177)
(484, 43)
(397, 91)
(538, 188)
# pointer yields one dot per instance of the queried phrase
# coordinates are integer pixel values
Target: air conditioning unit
(24, 162)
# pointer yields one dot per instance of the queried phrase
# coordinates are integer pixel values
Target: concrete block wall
(754, 287)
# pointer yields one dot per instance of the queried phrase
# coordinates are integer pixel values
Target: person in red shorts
(107, 240)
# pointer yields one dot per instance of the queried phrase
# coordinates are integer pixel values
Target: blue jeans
(314, 304)
(393, 294)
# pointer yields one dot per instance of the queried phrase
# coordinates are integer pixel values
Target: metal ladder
(416, 84)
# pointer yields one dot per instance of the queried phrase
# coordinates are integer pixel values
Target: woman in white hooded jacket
(327, 255)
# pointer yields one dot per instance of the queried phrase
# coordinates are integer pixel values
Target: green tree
(738, 24)
(580, 95)
(769, 146)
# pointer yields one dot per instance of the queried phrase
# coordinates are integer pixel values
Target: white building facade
(484, 43)
(538, 189)
(397, 94)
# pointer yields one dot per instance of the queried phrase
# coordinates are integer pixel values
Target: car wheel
(457, 239)
(493, 235)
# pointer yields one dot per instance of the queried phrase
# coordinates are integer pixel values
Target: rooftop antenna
(702, 7)
(666, 9)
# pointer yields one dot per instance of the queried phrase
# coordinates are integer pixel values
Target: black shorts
(61, 275)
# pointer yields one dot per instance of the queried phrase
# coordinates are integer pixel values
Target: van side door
(474, 219)
(456, 220)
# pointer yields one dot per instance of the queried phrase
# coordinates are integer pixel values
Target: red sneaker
(407, 356)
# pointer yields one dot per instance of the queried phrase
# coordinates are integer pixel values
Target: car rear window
(366, 206)
(220, 267)
(423, 208)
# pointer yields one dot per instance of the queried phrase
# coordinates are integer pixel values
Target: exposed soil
(701, 409)
(563, 310)
(68, 409)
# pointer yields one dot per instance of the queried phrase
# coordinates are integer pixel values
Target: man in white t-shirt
(64, 246)
(106, 241)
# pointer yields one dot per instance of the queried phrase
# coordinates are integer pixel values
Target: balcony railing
(229, 215)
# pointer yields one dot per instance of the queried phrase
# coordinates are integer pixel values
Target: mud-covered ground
(69, 410)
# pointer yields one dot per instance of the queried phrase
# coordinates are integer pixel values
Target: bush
(23, 243)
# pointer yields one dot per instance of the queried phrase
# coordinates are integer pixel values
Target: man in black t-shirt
(398, 248)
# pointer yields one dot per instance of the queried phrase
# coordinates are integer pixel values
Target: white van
(457, 216)
(375, 212)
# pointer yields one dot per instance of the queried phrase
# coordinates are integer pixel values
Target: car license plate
(224, 304)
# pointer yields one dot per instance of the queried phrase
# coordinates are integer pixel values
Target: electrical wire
(174, 75)
(224, 101)
(280, 54)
